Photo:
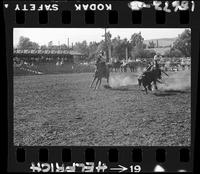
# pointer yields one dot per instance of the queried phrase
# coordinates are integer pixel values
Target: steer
(149, 77)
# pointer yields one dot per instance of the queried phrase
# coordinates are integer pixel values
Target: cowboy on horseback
(154, 66)
(101, 71)
(98, 61)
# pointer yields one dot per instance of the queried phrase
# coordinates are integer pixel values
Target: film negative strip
(102, 86)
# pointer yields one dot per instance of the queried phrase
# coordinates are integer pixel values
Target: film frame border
(80, 150)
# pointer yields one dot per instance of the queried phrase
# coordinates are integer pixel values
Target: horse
(116, 66)
(131, 66)
(149, 77)
(124, 67)
(101, 72)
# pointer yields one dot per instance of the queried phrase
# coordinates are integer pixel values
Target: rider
(99, 61)
(153, 65)
(156, 65)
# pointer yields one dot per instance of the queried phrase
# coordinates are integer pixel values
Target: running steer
(101, 72)
(149, 77)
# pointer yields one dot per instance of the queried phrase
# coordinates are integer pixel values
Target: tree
(105, 44)
(183, 43)
(50, 44)
(152, 44)
(119, 47)
(137, 45)
(136, 39)
(82, 48)
(147, 53)
(25, 43)
(43, 47)
(63, 47)
(173, 53)
(93, 47)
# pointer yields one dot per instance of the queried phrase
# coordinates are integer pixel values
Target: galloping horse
(101, 72)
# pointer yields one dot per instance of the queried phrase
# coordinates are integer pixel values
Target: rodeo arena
(108, 101)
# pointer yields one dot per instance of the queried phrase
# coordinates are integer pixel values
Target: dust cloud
(121, 81)
(180, 80)
(124, 80)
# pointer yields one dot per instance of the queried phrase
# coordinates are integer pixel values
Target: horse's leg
(139, 83)
(145, 88)
(108, 80)
(96, 83)
(93, 81)
(154, 82)
(150, 87)
(99, 83)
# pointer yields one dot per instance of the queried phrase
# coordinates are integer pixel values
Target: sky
(59, 35)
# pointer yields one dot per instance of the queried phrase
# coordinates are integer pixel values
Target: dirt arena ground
(62, 110)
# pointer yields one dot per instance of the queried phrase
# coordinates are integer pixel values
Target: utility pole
(59, 44)
(68, 42)
(106, 43)
(126, 54)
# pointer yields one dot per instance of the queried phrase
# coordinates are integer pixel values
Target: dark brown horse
(101, 72)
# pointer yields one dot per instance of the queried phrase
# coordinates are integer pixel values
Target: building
(47, 55)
